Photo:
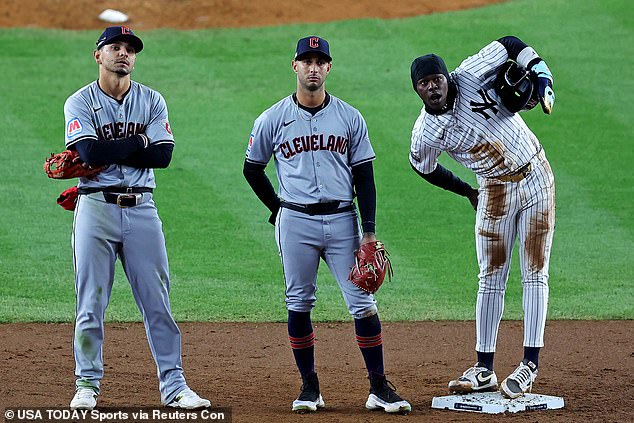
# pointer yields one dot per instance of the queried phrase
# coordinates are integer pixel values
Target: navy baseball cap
(119, 33)
(313, 44)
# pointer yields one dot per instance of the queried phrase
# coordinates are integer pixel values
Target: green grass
(216, 82)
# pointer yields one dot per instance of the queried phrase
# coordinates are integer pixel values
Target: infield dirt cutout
(249, 367)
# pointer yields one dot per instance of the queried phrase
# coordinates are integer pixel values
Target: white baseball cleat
(309, 404)
(309, 398)
(84, 399)
(475, 379)
(520, 381)
(383, 396)
(189, 400)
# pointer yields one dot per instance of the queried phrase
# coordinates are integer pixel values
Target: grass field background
(216, 82)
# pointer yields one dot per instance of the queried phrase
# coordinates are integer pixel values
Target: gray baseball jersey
(481, 134)
(314, 155)
(92, 114)
(103, 232)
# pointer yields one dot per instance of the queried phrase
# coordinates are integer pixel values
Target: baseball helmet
(516, 87)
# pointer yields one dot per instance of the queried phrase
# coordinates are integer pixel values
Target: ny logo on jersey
(487, 103)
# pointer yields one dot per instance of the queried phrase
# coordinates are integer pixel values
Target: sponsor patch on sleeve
(250, 145)
(73, 127)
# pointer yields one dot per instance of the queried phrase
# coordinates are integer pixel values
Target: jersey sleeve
(158, 129)
(486, 62)
(360, 147)
(79, 122)
(422, 156)
(260, 148)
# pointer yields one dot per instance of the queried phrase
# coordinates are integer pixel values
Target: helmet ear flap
(515, 87)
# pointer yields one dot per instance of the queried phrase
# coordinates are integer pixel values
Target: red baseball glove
(68, 165)
(68, 198)
(371, 265)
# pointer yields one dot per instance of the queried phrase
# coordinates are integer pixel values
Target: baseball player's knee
(89, 320)
(490, 285)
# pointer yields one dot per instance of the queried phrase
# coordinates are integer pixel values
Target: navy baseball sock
(302, 337)
(370, 342)
(532, 354)
(486, 358)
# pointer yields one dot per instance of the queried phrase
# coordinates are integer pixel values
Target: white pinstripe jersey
(479, 132)
(91, 114)
(314, 155)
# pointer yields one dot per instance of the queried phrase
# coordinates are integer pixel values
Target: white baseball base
(494, 402)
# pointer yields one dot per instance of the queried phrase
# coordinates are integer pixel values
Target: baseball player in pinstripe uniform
(323, 156)
(120, 123)
(464, 116)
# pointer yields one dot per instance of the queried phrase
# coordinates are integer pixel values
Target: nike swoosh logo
(96, 109)
(484, 379)
(288, 123)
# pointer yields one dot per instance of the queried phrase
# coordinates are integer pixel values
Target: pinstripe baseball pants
(506, 211)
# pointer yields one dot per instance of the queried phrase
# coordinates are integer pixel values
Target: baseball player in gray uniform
(323, 156)
(464, 116)
(120, 123)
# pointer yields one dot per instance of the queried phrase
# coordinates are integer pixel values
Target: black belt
(121, 196)
(331, 207)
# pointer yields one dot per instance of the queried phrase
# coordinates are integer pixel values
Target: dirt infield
(249, 368)
(190, 14)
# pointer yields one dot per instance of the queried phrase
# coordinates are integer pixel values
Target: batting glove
(544, 86)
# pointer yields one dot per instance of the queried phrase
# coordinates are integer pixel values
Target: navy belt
(330, 207)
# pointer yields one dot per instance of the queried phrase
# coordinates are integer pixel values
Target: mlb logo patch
(73, 127)
(250, 145)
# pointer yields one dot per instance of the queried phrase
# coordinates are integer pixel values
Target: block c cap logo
(313, 44)
(113, 34)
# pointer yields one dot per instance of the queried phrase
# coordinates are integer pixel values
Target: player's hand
(273, 216)
(544, 86)
(473, 198)
(368, 237)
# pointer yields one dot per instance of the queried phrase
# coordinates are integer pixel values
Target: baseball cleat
(520, 381)
(309, 398)
(189, 400)
(84, 399)
(383, 396)
(475, 379)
